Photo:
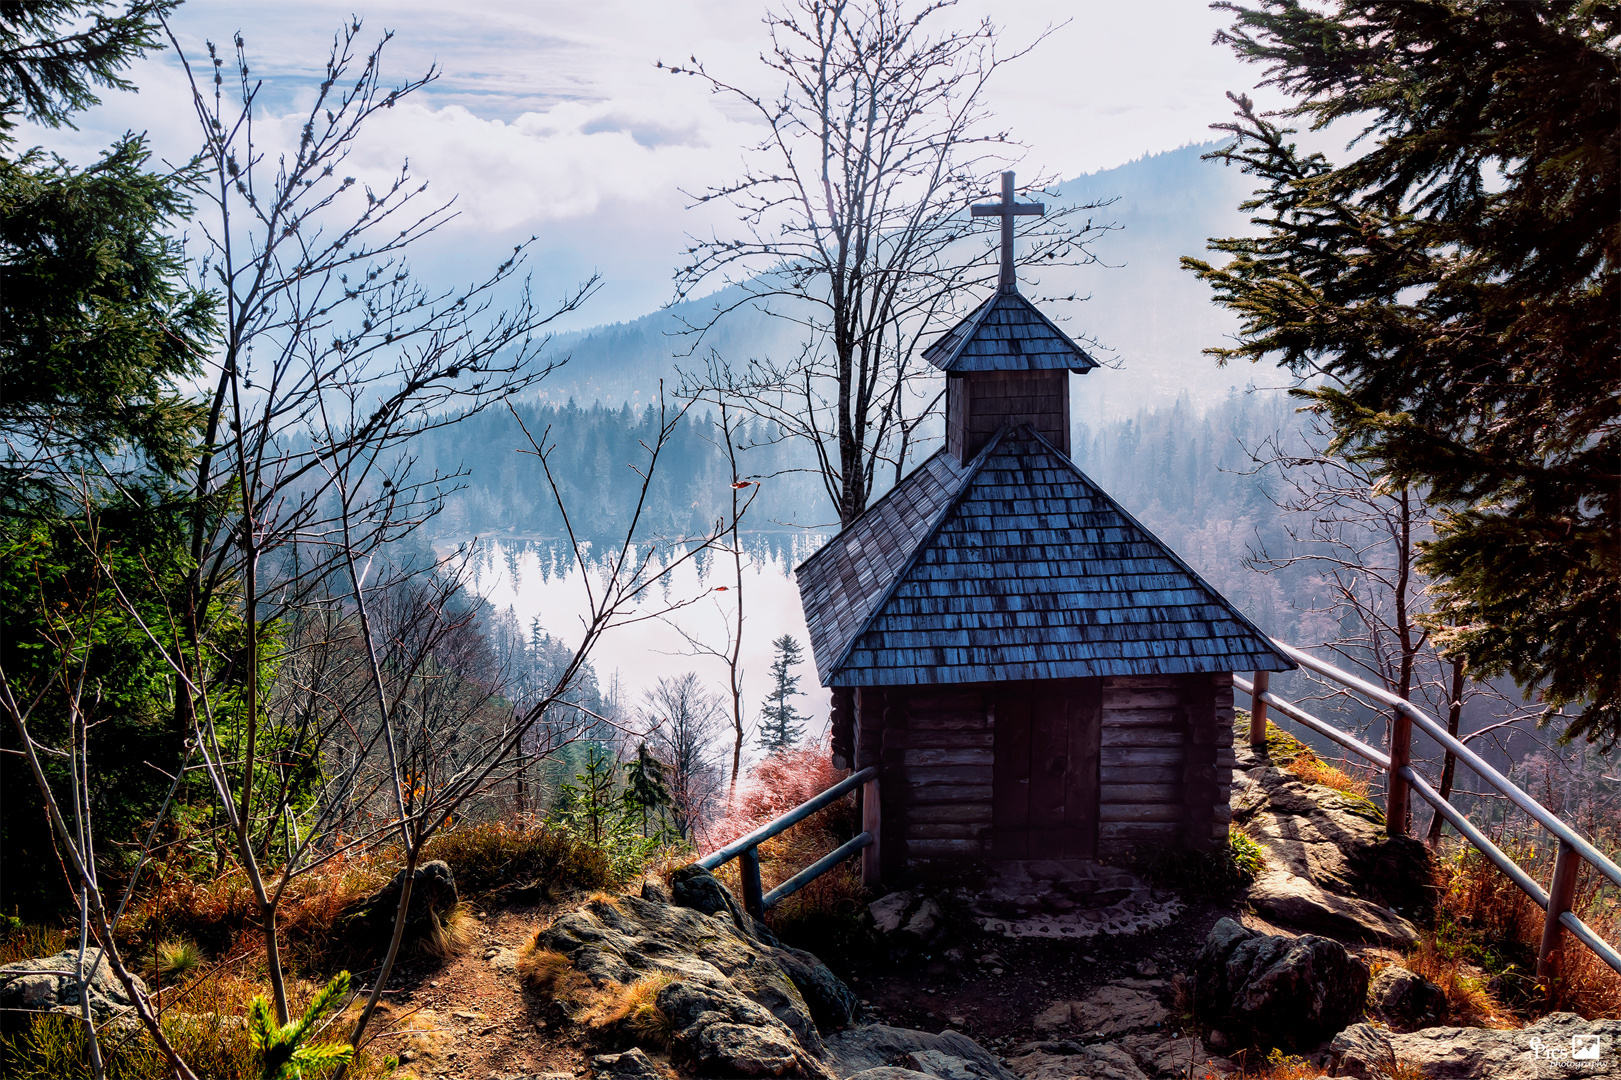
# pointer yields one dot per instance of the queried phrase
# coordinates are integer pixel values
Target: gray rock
(1100, 1061)
(1405, 1001)
(1542, 1051)
(944, 1066)
(694, 887)
(51, 984)
(926, 926)
(1362, 1052)
(730, 1035)
(1106, 1012)
(889, 912)
(1162, 1054)
(745, 1050)
(633, 1064)
(1281, 991)
(1284, 897)
(873, 1046)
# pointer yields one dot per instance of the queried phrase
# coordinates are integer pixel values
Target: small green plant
(1214, 876)
(285, 1049)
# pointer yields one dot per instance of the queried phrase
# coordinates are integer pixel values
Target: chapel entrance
(1045, 778)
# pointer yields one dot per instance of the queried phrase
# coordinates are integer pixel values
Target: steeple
(1006, 363)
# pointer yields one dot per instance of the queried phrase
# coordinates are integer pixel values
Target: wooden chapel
(1034, 674)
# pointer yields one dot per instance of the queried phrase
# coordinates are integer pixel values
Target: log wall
(1164, 768)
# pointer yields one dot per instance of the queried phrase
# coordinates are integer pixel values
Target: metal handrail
(1434, 730)
(793, 817)
(745, 848)
(1572, 845)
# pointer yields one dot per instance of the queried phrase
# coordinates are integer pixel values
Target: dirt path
(471, 1019)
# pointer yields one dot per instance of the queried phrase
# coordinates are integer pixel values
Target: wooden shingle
(1015, 567)
(1007, 333)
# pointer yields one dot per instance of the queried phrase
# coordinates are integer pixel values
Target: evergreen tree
(781, 726)
(645, 787)
(1457, 284)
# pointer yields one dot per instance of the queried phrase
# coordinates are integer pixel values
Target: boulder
(694, 887)
(51, 984)
(888, 1072)
(856, 1050)
(1286, 898)
(433, 898)
(1405, 1001)
(945, 1066)
(1280, 991)
(1100, 1061)
(633, 1064)
(1543, 1050)
(1361, 1051)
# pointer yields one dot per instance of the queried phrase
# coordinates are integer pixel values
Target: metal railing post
(870, 823)
(1263, 682)
(1561, 891)
(1401, 753)
(748, 866)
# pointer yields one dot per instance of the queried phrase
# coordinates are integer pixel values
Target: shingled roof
(1016, 566)
(1007, 333)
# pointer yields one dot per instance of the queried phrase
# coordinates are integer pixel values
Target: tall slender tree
(781, 725)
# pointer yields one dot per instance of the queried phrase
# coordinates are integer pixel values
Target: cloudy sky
(551, 118)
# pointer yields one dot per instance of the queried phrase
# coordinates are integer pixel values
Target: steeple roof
(1007, 333)
(1016, 566)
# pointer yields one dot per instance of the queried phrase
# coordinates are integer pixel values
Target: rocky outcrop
(1406, 1001)
(1333, 870)
(632, 1064)
(1295, 901)
(51, 984)
(1562, 1046)
(628, 938)
(1100, 1061)
(1278, 991)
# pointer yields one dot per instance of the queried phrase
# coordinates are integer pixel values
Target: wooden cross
(1007, 209)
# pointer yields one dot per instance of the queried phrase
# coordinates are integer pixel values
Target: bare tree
(680, 717)
(730, 651)
(332, 356)
(852, 227)
(1361, 540)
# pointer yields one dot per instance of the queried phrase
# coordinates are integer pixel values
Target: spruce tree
(781, 725)
(1451, 293)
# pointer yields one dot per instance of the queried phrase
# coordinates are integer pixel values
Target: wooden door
(1045, 779)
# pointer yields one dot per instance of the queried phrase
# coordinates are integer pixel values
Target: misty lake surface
(542, 580)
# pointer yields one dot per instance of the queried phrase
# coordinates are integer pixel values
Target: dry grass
(1486, 919)
(1313, 769)
(551, 974)
(1469, 1002)
(630, 1013)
